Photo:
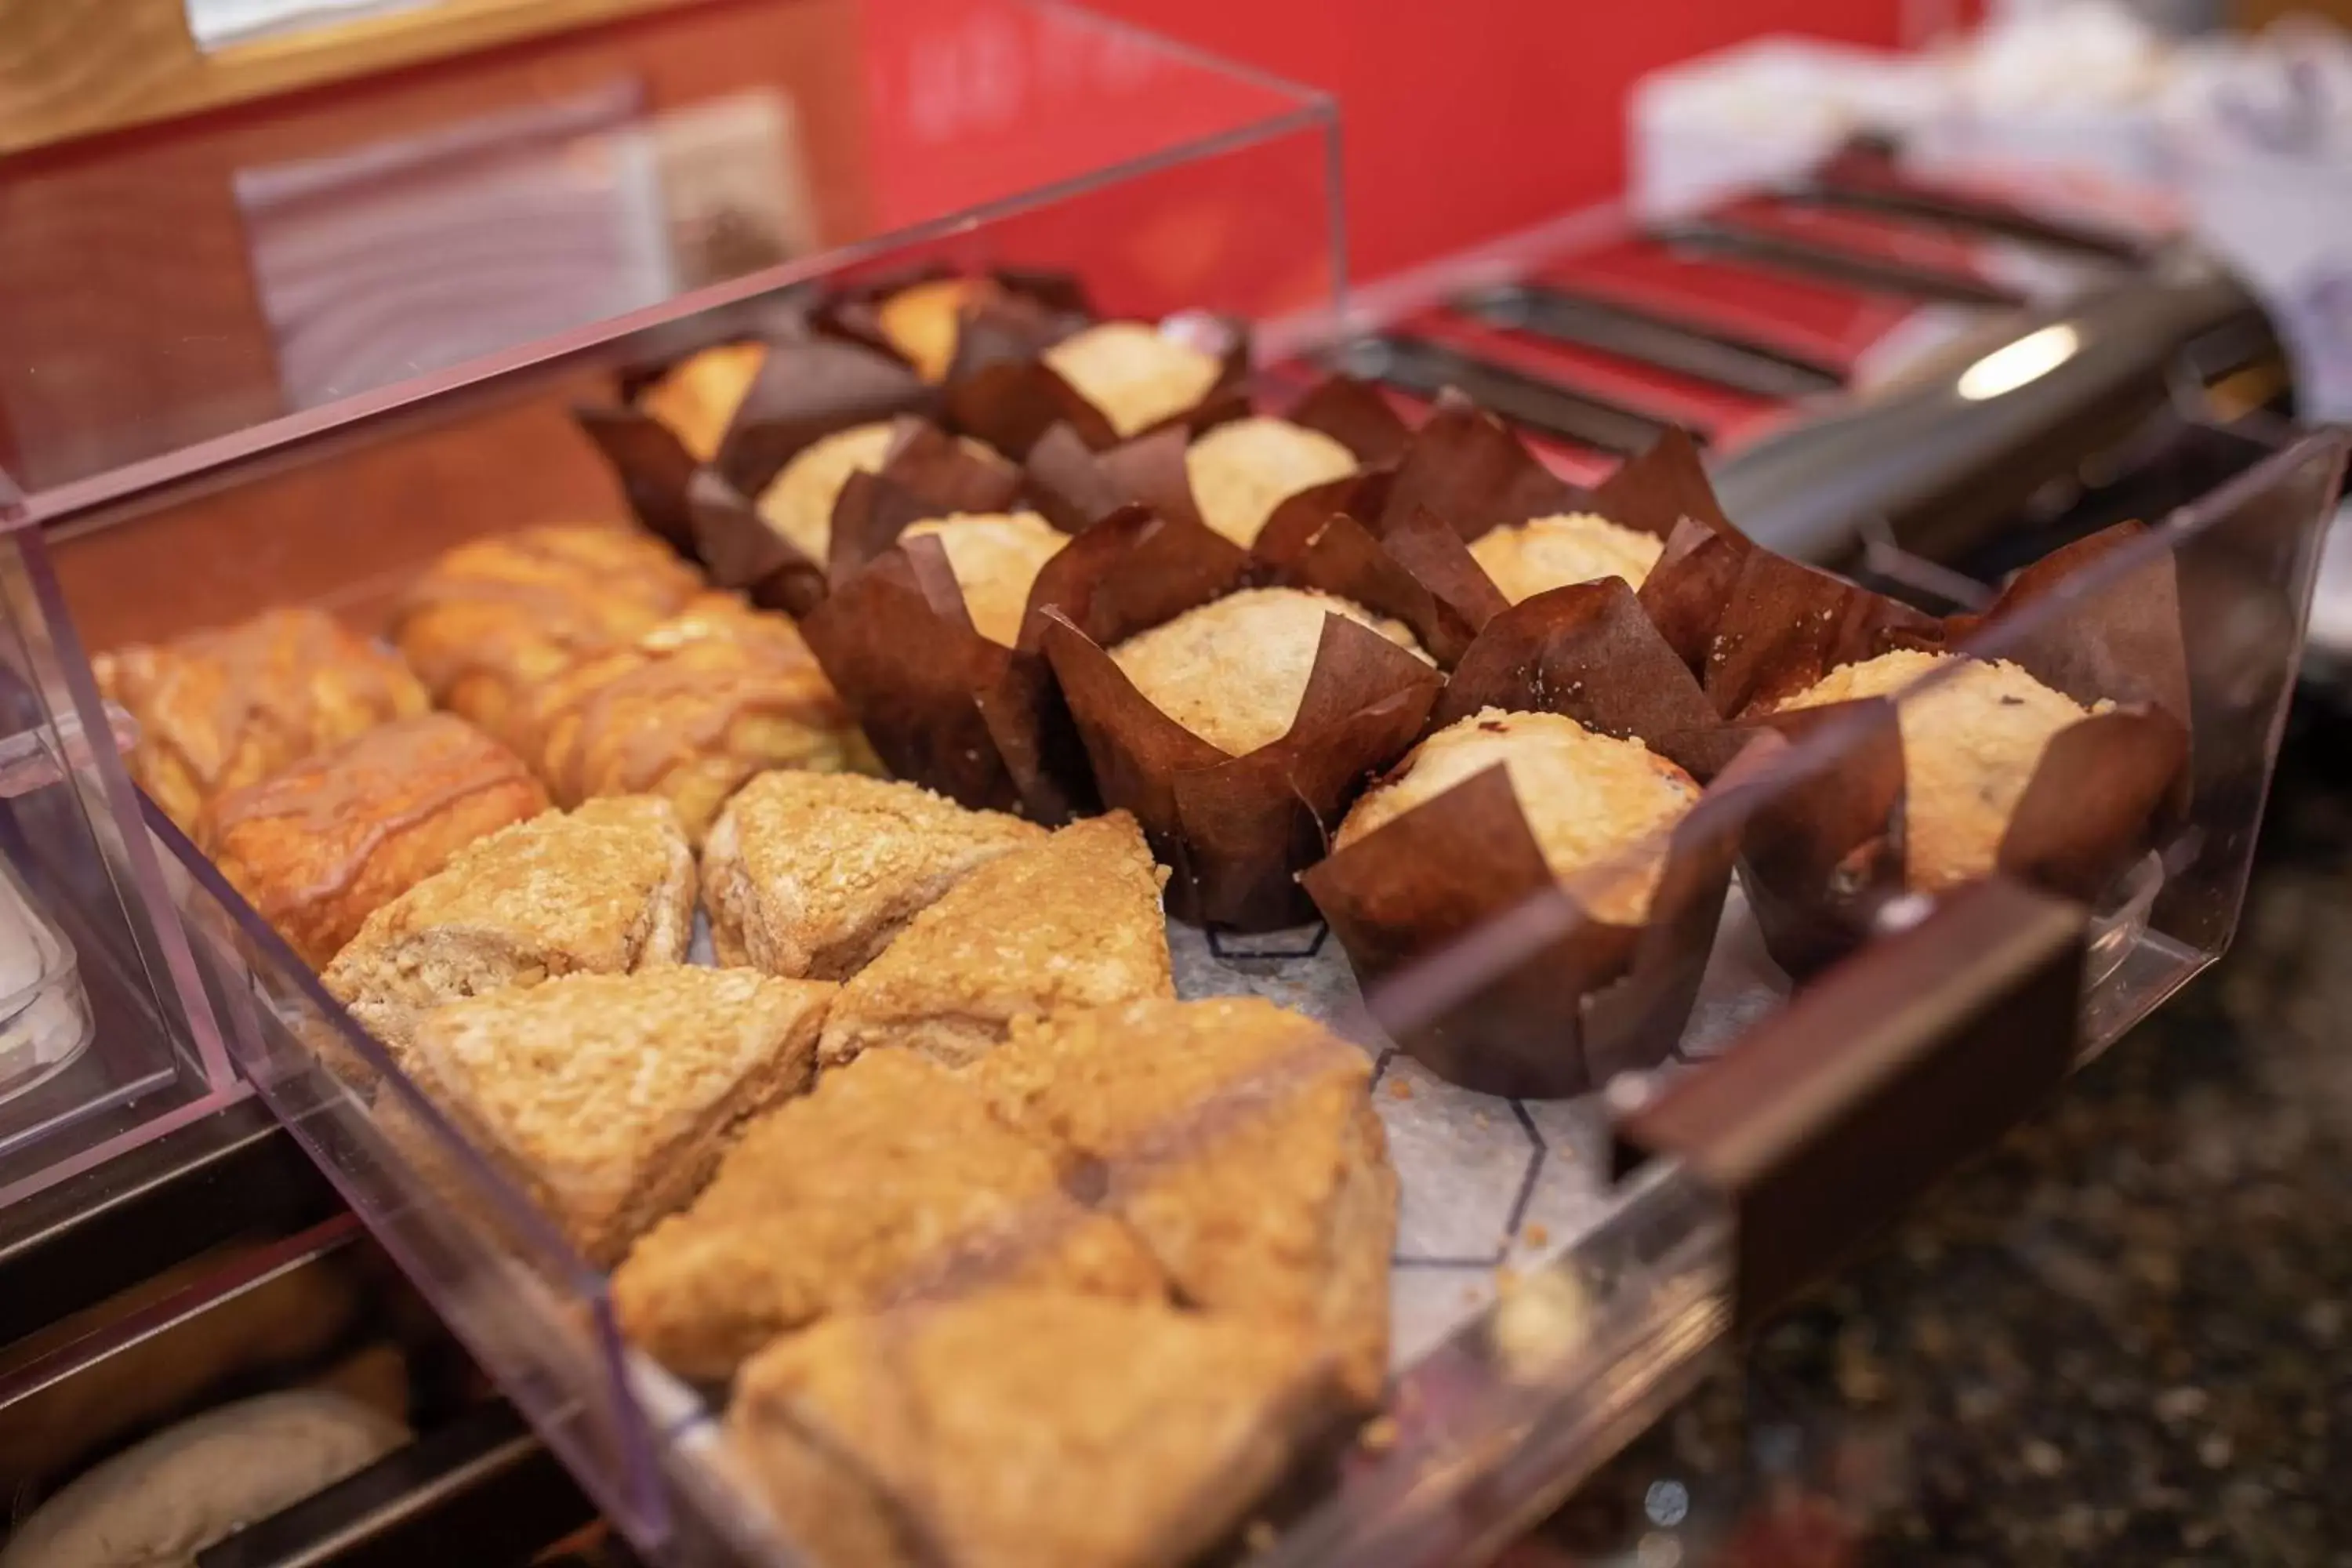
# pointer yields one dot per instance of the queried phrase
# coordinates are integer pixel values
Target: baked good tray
(1561, 1260)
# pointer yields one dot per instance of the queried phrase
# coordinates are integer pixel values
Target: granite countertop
(2125, 1337)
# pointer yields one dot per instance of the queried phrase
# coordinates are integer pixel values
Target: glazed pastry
(491, 621)
(814, 874)
(1596, 806)
(1234, 670)
(605, 889)
(1241, 471)
(995, 558)
(691, 708)
(1526, 558)
(319, 847)
(891, 1179)
(219, 709)
(1238, 1141)
(611, 1096)
(1024, 1430)
(924, 321)
(1134, 374)
(798, 502)
(697, 399)
(1970, 748)
(1073, 920)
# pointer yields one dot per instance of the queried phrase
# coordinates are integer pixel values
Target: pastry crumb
(1535, 1234)
(1399, 1089)
(1259, 1536)
(1379, 1436)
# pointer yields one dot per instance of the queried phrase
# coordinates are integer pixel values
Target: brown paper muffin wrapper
(1470, 951)
(1056, 301)
(1824, 856)
(999, 390)
(1234, 830)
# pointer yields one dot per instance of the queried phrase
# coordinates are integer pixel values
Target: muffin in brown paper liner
(1000, 390)
(1825, 855)
(1471, 952)
(874, 311)
(1234, 830)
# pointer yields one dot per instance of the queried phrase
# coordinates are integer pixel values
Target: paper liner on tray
(1470, 951)
(1234, 830)
(1000, 390)
(1824, 856)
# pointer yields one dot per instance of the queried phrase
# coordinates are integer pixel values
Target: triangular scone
(604, 889)
(613, 1096)
(1073, 921)
(813, 874)
(1023, 1429)
(891, 1179)
(1239, 1140)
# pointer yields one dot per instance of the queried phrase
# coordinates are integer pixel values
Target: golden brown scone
(814, 874)
(1136, 374)
(320, 845)
(1600, 807)
(698, 397)
(798, 502)
(1024, 1430)
(1238, 1140)
(605, 889)
(218, 709)
(1970, 748)
(995, 557)
(690, 710)
(925, 321)
(1071, 922)
(492, 620)
(1526, 558)
(891, 1179)
(1234, 670)
(1241, 471)
(612, 1097)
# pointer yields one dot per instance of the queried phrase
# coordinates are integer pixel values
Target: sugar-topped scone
(1024, 1430)
(492, 620)
(814, 874)
(1970, 745)
(1238, 1140)
(798, 502)
(1135, 373)
(612, 1097)
(1241, 471)
(1073, 920)
(891, 1179)
(1526, 558)
(319, 846)
(995, 557)
(697, 398)
(217, 710)
(605, 889)
(924, 321)
(1234, 670)
(690, 710)
(1599, 807)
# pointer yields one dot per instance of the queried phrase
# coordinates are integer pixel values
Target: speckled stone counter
(2123, 1337)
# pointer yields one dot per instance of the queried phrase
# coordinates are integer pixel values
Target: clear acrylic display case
(1563, 1263)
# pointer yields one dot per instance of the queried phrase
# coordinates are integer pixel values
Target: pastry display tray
(1561, 1265)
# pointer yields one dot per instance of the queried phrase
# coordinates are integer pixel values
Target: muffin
(798, 502)
(696, 400)
(321, 847)
(924, 321)
(218, 709)
(893, 1177)
(1238, 1141)
(1524, 559)
(814, 874)
(612, 1097)
(995, 557)
(689, 711)
(1234, 670)
(1588, 799)
(1024, 1430)
(1970, 746)
(1241, 471)
(1135, 374)
(492, 620)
